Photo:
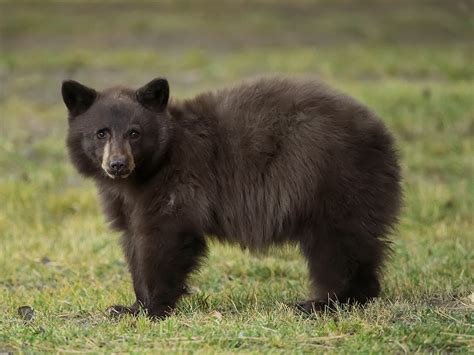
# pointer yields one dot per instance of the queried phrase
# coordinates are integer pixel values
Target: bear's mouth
(118, 174)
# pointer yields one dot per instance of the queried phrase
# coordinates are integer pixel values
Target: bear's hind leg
(343, 268)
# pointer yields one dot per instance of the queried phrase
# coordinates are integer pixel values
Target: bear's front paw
(315, 306)
(159, 312)
(118, 310)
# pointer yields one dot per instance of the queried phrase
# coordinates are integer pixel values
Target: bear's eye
(101, 133)
(134, 134)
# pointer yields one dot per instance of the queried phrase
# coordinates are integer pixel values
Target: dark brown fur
(264, 163)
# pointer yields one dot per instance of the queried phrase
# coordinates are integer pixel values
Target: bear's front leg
(129, 249)
(166, 251)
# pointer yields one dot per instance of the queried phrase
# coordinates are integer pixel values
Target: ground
(410, 61)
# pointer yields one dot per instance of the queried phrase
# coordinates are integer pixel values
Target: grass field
(410, 61)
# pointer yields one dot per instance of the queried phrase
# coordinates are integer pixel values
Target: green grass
(410, 61)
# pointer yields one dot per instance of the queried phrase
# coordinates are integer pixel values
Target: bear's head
(118, 132)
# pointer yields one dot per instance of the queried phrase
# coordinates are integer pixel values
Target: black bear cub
(267, 162)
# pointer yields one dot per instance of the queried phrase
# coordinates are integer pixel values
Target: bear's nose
(117, 166)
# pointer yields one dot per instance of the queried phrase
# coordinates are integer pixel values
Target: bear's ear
(77, 97)
(154, 95)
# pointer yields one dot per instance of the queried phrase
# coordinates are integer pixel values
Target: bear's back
(277, 141)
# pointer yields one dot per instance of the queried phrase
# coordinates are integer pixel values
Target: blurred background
(203, 44)
(410, 61)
